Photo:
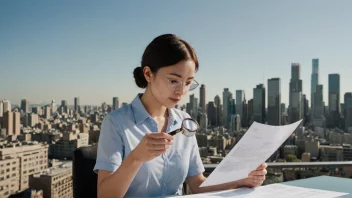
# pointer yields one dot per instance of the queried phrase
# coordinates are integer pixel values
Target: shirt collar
(141, 114)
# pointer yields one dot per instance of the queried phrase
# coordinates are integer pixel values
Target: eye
(173, 81)
(188, 83)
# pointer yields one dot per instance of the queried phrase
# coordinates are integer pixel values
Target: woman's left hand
(255, 178)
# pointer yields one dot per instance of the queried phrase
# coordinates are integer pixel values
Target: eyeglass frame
(182, 83)
(182, 129)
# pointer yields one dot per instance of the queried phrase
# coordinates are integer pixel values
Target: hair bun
(139, 77)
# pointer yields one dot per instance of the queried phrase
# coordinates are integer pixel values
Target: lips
(174, 99)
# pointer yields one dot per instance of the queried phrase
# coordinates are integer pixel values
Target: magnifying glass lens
(190, 125)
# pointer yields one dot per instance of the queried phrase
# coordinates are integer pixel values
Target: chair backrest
(84, 179)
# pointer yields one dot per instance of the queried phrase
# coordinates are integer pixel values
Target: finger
(262, 166)
(157, 147)
(159, 141)
(258, 172)
(161, 135)
(259, 177)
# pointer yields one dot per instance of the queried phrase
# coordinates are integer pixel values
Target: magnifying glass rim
(182, 129)
(191, 119)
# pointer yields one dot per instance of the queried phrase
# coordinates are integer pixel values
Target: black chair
(84, 179)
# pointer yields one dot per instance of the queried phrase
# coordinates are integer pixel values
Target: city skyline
(50, 52)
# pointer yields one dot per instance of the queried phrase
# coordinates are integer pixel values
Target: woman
(136, 155)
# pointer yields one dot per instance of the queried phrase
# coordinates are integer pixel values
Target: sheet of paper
(255, 147)
(272, 191)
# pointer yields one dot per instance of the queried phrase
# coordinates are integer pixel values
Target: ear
(148, 74)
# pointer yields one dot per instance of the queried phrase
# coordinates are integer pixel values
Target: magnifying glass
(188, 128)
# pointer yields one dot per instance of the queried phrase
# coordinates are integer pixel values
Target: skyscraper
(16, 123)
(1, 109)
(47, 112)
(202, 98)
(212, 114)
(76, 108)
(6, 106)
(334, 100)
(250, 112)
(25, 105)
(305, 106)
(193, 106)
(295, 101)
(115, 103)
(226, 94)
(274, 102)
(218, 110)
(348, 110)
(259, 104)
(8, 122)
(240, 95)
(314, 81)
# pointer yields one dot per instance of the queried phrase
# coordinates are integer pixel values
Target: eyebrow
(178, 75)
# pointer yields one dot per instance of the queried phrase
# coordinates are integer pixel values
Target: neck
(153, 107)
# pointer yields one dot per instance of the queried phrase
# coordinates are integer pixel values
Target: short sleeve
(195, 165)
(110, 146)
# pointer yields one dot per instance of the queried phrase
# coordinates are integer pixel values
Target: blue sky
(59, 50)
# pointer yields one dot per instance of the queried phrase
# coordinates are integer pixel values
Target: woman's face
(169, 84)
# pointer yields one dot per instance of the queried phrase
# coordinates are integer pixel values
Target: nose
(180, 90)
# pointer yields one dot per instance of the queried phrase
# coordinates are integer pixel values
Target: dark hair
(163, 51)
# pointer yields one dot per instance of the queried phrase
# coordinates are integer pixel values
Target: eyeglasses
(190, 85)
(189, 128)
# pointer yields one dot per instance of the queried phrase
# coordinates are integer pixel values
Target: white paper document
(255, 147)
(272, 191)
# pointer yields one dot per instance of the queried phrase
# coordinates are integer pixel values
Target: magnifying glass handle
(175, 132)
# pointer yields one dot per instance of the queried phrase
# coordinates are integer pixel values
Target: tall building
(274, 102)
(235, 123)
(348, 111)
(305, 106)
(12, 123)
(53, 107)
(240, 96)
(37, 110)
(202, 98)
(250, 112)
(203, 121)
(63, 103)
(17, 163)
(115, 103)
(33, 119)
(16, 123)
(56, 182)
(259, 104)
(8, 122)
(318, 114)
(283, 107)
(212, 114)
(231, 107)
(334, 100)
(25, 105)
(314, 81)
(47, 112)
(192, 107)
(218, 110)
(245, 120)
(6, 106)
(77, 107)
(295, 110)
(226, 95)
(1, 109)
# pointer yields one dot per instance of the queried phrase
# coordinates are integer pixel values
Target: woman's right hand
(151, 146)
